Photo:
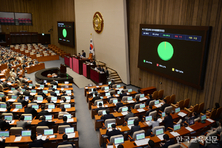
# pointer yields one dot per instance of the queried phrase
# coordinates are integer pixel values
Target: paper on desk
(142, 142)
(129, 126)
(97, 86)
(108, 96)
(158, 105)
(53, 136)
(49, 110)
(131, 101)
(124, 113)
(12, 121)
(106, 90)
(106, 105)
(110, 129)
(128, 93)
(11, 100)
(189, 129)
(210, 120)
(144, 98)
(43, 138)
(160, 120)
(39, 137)
(54, 101)
(175, 134)
(109, 146)
(10, 91)
(182, 114)
(15, 110)
(72, 135)
(38, 101)
(148, 123)
(32, 94)
(18, 139)
(86, 87)
(140, 110)
(70, 120)
(2, 109)
(61, 101)
(160, 137)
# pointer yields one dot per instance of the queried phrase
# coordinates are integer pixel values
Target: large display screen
(66, 33)
(175, 52)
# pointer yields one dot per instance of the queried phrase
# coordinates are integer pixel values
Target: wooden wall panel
(178, 12)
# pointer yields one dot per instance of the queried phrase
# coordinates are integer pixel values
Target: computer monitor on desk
(148, 118)
(8, 118)
(191, 121)
(26, 133)
(4, 133)
(109, 125)
(69, 116)
(176, 127)
(177, 110)
(69, 130)
(130, 122)
(35, 106)
(48, 117)
(203, 118)
(48, 132)
(18, 106)
(140, 136)
(118, 140)
(159, 131)
(28, 118)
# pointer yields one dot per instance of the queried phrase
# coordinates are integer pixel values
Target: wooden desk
(47, 58)
(34, 68)
(66, 60)
(86, 69)
(91, 87)
(148, 90)
(53, 142)
(3, 66)
(97, 77)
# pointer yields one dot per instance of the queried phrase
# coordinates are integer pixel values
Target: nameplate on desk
(52, 136)
(39, 101)
(70, 120)
(72, 135)
(97, 86)
(158, 105)
(140, 110)
(86, 87)
(11, 100)
(18, 139)
(142, 142)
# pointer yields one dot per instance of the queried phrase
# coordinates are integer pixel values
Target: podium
(97, 77)
(86, 69)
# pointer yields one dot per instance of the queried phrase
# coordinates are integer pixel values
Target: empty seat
(40, 129)
(16, 130)
(156, 128)
(65, 146)
(153, 114)
(137, 132)
(168, 109)
(61, 128)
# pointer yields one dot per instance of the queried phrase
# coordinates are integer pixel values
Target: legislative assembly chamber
(110, 74)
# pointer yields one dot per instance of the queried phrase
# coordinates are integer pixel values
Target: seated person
(42, 93)
(63, 93)
(3, 123)
(53, 93)
(43, 112)
(168, 121)
(95, 98)
(65, 121)
(16, 91)
(135, 128)
(65, 141)
(151, 144)
(101, 107)
(108, 115)
(130, 114)
(30, 110)
(123, 94)
(37, 143)
(110, 97)
(150, 109)
(154, 123)
(22, 123)
(137, 101)
(167, 141)
(54, 82)
(63, 111)
(218, 129)
(113, 132)
(43, 122)
(119, 104)
(148, 100)
(164, 105)
(26, 92)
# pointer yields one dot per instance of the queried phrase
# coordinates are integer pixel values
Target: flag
(91, 48)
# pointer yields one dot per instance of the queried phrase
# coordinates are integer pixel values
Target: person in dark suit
(151, 144)
(150, 109)
(43, 122)
(65, 121)
(107, 72)
(108, 115)
(99, 67)
(43, 112)
(3, 124)
(113, 132)
(137, 101)
(101, 107)
(110, 97)
(102, 69)
(135, 128)
(164, 105)
(167, 140)
(148, 100)
(168, 121)
(37, 143)
(95, 98)
(53, 93)
(26, 92)
(130, 114)
(119, 104)
(42, 94)
(31, 110)
(123, 94)
(83, 54)
(93, 62)
(65, 141)
(54, 82)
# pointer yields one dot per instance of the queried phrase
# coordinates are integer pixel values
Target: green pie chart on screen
(64, 33)
(165, 51)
